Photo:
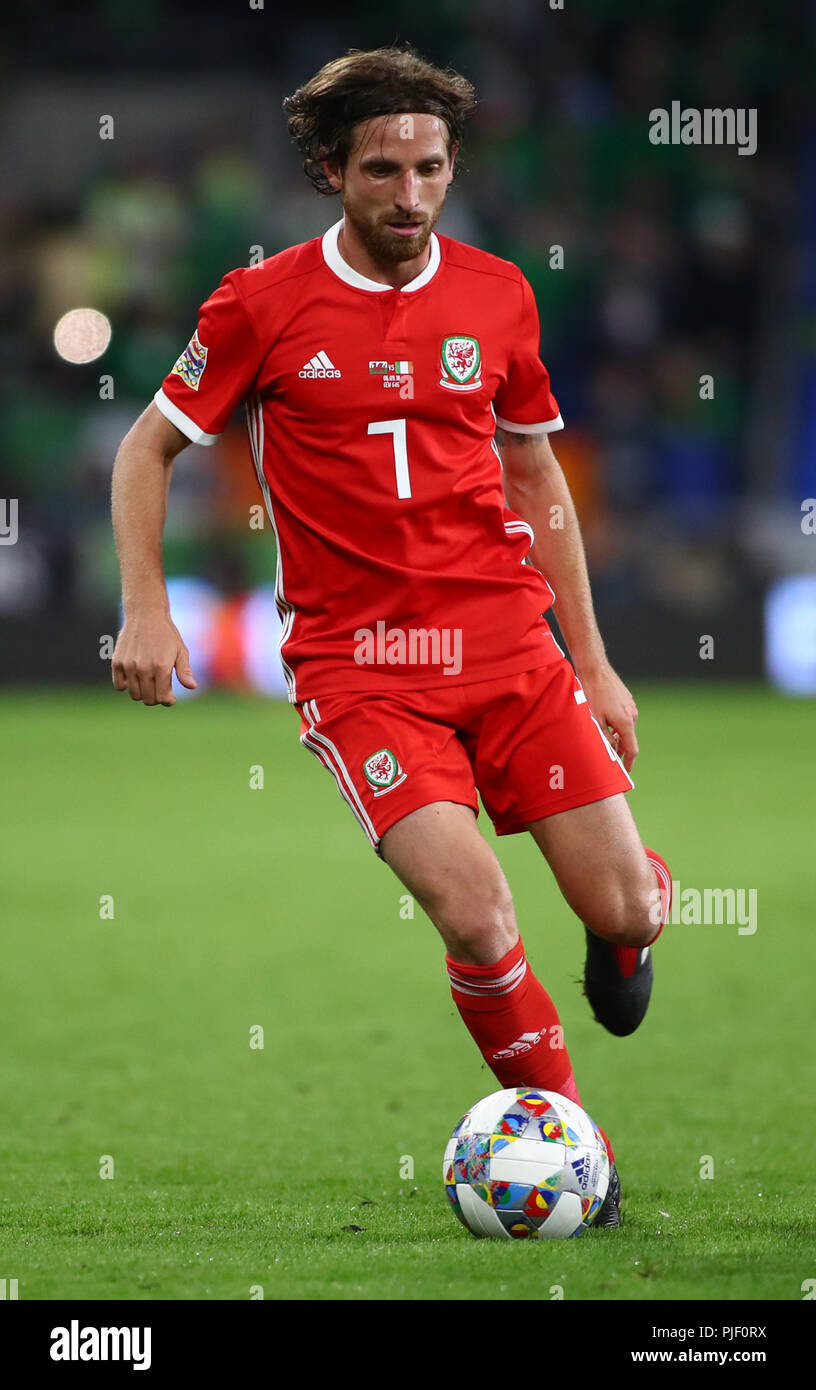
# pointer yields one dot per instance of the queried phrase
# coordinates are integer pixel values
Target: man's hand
(148, 649)
(614, 708)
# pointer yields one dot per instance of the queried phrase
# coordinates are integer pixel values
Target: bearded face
(394, 184)
(389, 238)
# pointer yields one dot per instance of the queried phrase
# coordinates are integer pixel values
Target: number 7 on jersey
(397, 429)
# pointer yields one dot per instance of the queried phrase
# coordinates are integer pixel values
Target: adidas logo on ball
(581, 1168)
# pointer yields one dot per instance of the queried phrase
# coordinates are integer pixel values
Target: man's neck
(396, 274)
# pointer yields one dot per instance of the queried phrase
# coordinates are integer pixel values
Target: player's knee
(466, 907)
(626, 918)
(479, 926)
(482, 947)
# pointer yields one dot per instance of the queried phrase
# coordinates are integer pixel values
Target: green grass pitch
(289, 1167)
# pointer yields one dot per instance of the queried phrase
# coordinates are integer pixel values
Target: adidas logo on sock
(320, 365)
(525, 1043)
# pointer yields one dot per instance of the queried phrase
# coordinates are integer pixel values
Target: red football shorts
(528, 743)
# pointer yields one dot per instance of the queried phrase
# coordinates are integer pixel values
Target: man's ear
(453, 154)
(332, 174)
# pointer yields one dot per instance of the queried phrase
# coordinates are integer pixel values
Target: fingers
(119, 676)
(133, 685)
(150, 686)
(126, 677)
(184, 670)
(624, 741)
(164, 686)
(617, 716)
(143, 663)
(625, 744)
(147, 681)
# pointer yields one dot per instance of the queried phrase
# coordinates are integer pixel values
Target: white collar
(344, 271)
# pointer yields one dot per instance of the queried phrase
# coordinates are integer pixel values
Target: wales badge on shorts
(383, 771)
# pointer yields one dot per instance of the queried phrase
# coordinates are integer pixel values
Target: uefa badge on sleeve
(383, 771)
(461, 363)
(191, 364)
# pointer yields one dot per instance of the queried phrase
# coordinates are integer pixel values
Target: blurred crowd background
(679, 262)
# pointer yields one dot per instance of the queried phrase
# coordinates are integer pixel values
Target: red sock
(627, 956)
(609, 1148)
(514, 1023)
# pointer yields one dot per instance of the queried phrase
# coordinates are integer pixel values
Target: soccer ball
(525, 1163)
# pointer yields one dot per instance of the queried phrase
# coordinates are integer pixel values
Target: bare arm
(149, 647)
(534, 486)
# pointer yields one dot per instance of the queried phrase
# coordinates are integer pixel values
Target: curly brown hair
(382, 81)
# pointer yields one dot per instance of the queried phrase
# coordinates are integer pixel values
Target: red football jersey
(372, 413)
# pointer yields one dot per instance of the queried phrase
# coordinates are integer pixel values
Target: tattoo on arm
(506, 437)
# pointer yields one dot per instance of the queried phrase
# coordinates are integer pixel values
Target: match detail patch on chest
(391, 373)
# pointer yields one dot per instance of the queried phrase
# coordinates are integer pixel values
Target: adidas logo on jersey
(320, 365)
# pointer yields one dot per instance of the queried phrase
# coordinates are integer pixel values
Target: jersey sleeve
(526, 404)
(215, 372)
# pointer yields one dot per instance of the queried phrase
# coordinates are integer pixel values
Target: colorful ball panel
(482, 1219)
(525, 1163)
